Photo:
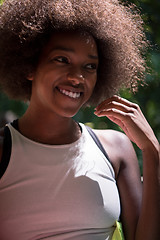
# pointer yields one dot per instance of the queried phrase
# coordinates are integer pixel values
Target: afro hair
(25, 27)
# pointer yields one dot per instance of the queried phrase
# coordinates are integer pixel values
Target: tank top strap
(7, 146)
(6, 152)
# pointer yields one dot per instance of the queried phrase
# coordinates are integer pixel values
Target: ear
(30, 77)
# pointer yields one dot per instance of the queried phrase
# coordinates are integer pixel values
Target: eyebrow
(93, 57)
(72, 50)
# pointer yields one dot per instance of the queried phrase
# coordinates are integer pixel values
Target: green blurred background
(147, 97)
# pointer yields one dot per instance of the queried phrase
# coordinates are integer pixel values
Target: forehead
(73, 40)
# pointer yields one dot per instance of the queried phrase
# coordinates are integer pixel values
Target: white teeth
(70, 94)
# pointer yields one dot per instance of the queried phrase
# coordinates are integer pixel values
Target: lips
(69, 93)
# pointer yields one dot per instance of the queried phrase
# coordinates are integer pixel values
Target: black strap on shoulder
(6, 153)
(97, 141)
(15, 124)
(7, 146)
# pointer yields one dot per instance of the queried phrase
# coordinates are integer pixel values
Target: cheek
(92, 82)
(41, 83)
(44, 78)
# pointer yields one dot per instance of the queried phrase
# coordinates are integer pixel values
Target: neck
(53, 130)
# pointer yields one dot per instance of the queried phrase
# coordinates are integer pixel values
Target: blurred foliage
(148, 97)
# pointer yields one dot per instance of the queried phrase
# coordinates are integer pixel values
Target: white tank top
(57, 192)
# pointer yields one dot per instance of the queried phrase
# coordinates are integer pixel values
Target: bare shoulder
(127, 174)
(112, 137)
(118, 146)
(1, 141)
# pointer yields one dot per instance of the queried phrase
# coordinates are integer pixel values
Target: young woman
(55, 181)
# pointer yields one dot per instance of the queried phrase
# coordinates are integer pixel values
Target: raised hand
(130, 118)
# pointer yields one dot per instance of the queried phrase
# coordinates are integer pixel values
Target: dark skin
(140, 209)
(62, 67)
(63, 81)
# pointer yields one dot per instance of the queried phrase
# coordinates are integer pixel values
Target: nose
(75, 77)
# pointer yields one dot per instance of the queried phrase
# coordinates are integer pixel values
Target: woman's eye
(61, 59)
(91, 66)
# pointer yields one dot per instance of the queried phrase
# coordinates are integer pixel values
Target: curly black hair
(26, 25)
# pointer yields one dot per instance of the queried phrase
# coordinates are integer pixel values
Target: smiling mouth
(70, 94)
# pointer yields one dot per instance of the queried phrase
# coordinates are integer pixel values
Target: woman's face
(66, 73)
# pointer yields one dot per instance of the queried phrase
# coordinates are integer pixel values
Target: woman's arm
(130, 118)
(127, 174)
(148, 225)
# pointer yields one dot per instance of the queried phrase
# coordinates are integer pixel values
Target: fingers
(129, 117)
(121, 118)
(117, 106)
(113, 107)
(118, 102)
